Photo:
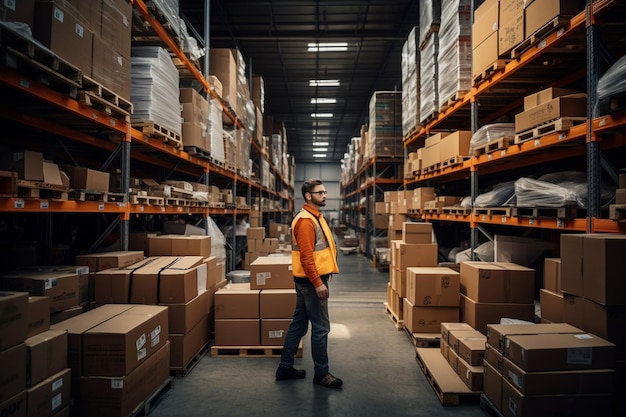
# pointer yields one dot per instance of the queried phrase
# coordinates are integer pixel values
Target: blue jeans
(308, 308)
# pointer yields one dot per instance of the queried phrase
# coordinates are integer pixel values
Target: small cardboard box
(485, 21)
(433, 286)
(255, 233)
(492, 385)
(82, 178)
(493, 357)
(417, 232)
(538, 14)
(472, 376)
(455, 144)
(274, 272)
(237, 332)
(105, 260)
(566, 106)
(552, 274)
(447, 327)
(236, 303)
(511, 32)
(177, 245)
(572, 263)
(407, 254)
(545, 95)
(485, 54)
(603, 269)
(277, 304)
(420, 319)
(185, 346)
(50, 395)
(472, 349)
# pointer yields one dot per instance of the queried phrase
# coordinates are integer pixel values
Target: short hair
(308, 185)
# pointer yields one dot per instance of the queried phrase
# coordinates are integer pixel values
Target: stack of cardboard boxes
(464, 349)
(259, 245)
(430, 19)
(547, 105)
(410, 83)
(385, 127)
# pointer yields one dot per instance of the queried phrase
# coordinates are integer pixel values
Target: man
(314, 260)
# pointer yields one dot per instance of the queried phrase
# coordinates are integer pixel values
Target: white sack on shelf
(613, 82)
(498, 196)
(491, 133)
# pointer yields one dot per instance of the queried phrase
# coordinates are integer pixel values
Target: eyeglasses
(319, 192)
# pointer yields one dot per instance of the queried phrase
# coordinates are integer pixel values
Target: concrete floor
(374, 359)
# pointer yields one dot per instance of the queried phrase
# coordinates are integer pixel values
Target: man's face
(318, 195)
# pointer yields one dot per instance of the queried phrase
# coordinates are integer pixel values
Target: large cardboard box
(13, 362)
(417, 232)
(540, 13)
(545, 95)
(455, 144)
(105, 260)
(603, 269)
(274, 331)
(273, 272)
(111, 68)
(50, 395)
(237, 332)
(177, 245)
(552, 274)
(120, 344)
(18, 11)
(497, 333)
(119, 396)
(497, 282)
(486, 18)
(82, 178)
(433, 286)
(492, 385)
(223, 66)
(37, 315)
(510, 33)
(277, 304)
(587, 381)
(431, 156)
(420, 319)
(68, 37)
(236, 304)
(15, 406)
(184, 347)
(485, 54)
(479, 315)
(572, 263)
(46, 355)
(407, 255)
(552, 305)
(420, 196)
(61, 287)
(559, 352)
(115, 27)
(566, 106)
(183, 317)
(13, 318)
(113, 285)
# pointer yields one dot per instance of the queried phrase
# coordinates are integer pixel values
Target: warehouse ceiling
(273, 37)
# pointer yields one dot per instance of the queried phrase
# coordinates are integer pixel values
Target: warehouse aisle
(375, 361)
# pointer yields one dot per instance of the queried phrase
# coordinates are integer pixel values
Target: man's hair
(308, 185)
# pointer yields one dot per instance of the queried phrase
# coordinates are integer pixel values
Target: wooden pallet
(147, 200)
(250, 351)
(553, 126)
(199, 152)
(458, 210)
(429, 118)
(217, 205)
(433, 210)
(150, 128)
(493, 211)
(89, 195)
(617, 212)
(550, 27)
(494, 145)
(449, 102)
(488, 72)
(432, 168)
(93, 100)
(183, 371)
(447, 385)
(144, 408)
(565, 212)
(459, 159)
(40, 189)
(424, 340)
(394, 318)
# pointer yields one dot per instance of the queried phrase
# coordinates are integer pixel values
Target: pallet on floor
(250, 351)
(399, 323)
(183, 371)
(489, 407)
(145, 407)
(553, 126)
(494, 145)
(447, 385)
(424, 340)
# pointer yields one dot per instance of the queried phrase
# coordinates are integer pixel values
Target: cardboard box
(540, 13)
(184, 317)
(277, 304)
(492, 385)
(111, 68)
(113, 285)
(420, 197)
(515, 404)
(472, 376)
(18, 11)
(115, 27)
(399, 281)
(559, 351)
(27, 164)
(552, 274)
(13, 379)
(567, 106)
(571, 246)
(417, 232)
(37, 315)
(51, 395)
(120, 344)
(493, 357)
(13, 318)
(479, 315)
(68, 37)
(486, 18)
(545, 95)
(274, 331)
(236, 304)
(143, 285)
(255, 233)
(431, 156)
(497, 333)
(446, 328)
(396, 221)
(184, 347)
(119, 396)
(105, 260)
(46, 355)
(278, 230)
(419, 319)
(456, 335)
(237, 332)
(177, 245)
(603, 280)
(15, 406)
(455, 144)
(510, 33)
(273, 272)
(82, 178)
(497, 282)
(485, 54)
(407, 255)
(472, 349)
(60, 287)
(223, 66)
(434, 286)
(552, 305)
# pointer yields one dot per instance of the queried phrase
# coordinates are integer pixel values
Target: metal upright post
(593, 145)
(473, 182)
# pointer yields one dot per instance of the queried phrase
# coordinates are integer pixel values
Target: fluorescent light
(319, 115)
(321, 100)
(323, 83)
(320, 149)
(319, 155)
(328, 47)
(320, 143)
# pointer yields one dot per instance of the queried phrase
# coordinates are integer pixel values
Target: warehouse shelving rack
(96, 132)
(575, 48)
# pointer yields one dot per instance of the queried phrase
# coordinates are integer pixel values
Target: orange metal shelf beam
(18, 205)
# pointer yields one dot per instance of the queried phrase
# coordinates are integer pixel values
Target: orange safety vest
(324, 252)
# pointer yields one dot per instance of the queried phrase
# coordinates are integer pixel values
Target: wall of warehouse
(330, 174)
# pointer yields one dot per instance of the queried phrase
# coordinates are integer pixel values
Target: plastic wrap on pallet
(499, 195)
(169, 9)
(218, 241)
(612, 83)
(216, 130)
(154, 83)
(455, 69)
(490, 133)
(430, 16)
(410, 83)
(429, 92)
(243, 141)
(557, 189)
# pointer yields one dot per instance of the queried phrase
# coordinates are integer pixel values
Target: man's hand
(322, 292)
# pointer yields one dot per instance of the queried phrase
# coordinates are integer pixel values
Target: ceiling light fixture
(321, 115)
(319, 155)
(323, 83)
(322, 100)
(328, 47)
(320, 143)
(320, 149)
